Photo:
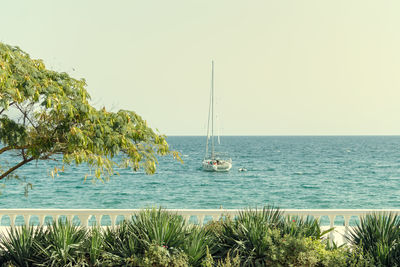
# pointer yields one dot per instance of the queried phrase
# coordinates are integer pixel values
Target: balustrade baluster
(26, 219)
(331, 225)
(200, 219)
(12, 220)
(84, 220)
(113, 220)
(41, 219)
(187, 218)
(98, 219)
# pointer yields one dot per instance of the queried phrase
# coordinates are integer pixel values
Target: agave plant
(158, 227)
(302, 227)
(119, 245)
(378, 235)
(18, 245)
(269, 215)
(63, 245)
(197, 241)
(251, 235)
(93, 246)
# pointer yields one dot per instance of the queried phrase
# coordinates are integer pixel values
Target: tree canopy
(46, 115)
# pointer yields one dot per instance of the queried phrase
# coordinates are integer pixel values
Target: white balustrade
(214, 214)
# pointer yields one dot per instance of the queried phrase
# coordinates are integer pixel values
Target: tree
(46, 115)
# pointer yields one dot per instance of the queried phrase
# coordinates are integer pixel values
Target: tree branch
(16, 167)
(26, 117)
(12, 103)
(6, 148)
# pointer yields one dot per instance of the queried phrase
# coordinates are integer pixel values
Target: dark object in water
(242, 169)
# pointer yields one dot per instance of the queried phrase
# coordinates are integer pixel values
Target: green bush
(62, 245)
(162, 256)
(119, 246)
(94, 247)
(300, 227)
(157, 238)
(158, 227)
(198, 241)
(19, 245)
(249, 235)
(378, 236)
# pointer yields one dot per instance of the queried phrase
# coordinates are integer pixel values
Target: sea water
(305, 172)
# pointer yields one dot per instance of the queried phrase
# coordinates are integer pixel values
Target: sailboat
(212, 162)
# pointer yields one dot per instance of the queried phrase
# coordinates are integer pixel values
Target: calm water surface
(289, 172)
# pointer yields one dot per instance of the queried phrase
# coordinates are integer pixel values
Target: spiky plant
(250, 235)
(93, 246)
(269, 215)
(157, 226)
(378, 235)
(197, 241)
(302, 227)
(18, 245)
(119, 245)
(63, 245)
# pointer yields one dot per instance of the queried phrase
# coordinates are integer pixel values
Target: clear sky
(310, 67)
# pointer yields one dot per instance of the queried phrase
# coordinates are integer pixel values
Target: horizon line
(294, 135)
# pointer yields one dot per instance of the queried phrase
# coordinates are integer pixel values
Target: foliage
(94, 246)
(63, 245)
(161, 256)
(378, 235)
(227, 262)
(266, 237)
(156, 226)
(305, 227)
(356, 257)
(119, 246)
(158, 238)
(55, 119)
(198, 242)
(19, 245)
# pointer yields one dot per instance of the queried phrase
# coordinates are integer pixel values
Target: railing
(88, 217)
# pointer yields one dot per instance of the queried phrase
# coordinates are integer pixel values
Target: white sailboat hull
(213, 165)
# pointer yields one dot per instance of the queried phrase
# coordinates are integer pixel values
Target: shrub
(197, 243)
(300, 227)
(162, 256)
(94, 247)
(119, 245)
(378, 236)
(159, 227)
(18, 246)
(227, 262)
(249, 235)
(62, 245)
(157, 238)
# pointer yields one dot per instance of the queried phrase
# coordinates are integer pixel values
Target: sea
(304, 172)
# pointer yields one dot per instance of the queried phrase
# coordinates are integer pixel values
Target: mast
(208, 124)
(211, 115)
(212, 109)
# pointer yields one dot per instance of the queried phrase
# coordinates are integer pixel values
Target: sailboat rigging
(212, 162)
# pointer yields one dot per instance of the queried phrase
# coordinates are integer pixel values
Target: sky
(287, 67)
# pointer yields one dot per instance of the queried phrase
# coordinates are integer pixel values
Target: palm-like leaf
(250, 235)
(302, 227)
(63, 244)
(158, 227)
(93, 246)
(119, 244)
(198, 240)
(378, 235)
(18, 245)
